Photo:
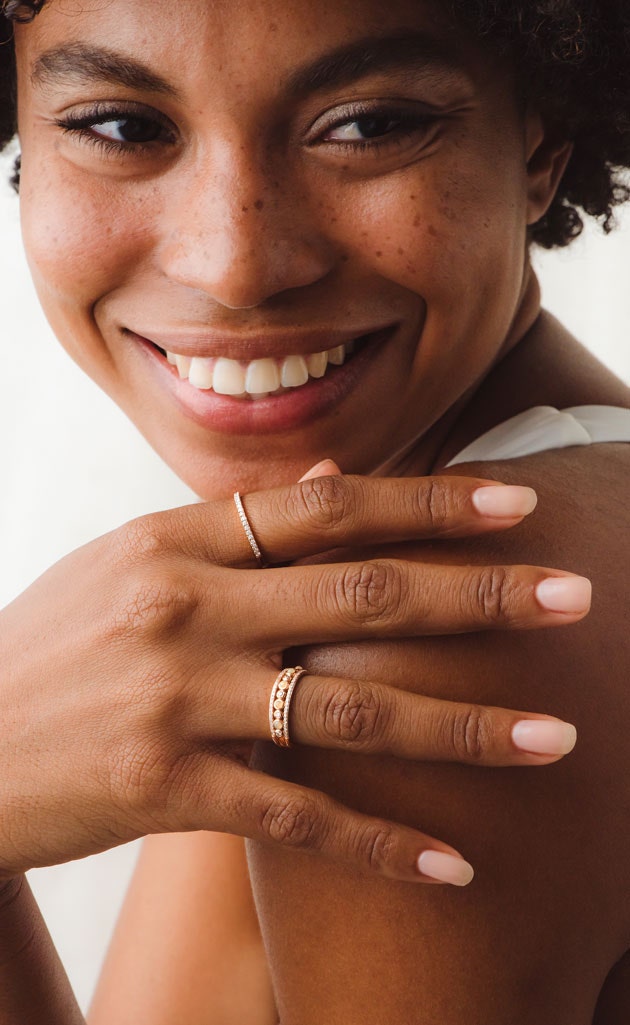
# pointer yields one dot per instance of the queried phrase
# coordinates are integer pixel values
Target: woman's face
(253, 181)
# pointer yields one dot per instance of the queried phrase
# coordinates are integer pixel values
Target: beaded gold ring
(281, 694)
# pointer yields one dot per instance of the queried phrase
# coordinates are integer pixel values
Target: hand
(136, 672)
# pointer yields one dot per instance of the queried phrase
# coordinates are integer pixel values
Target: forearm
(34, 987)
(187, 945)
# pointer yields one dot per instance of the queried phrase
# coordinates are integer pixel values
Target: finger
(263, 808)
(398, 598)
(326, 512)
(370, 718)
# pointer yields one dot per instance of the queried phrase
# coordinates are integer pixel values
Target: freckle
(259, 204)
(333, 220)
(411, 268)
(401, 252)
(431, 230)
(379, 253)
(245, 209)
(413, 196)
(273, 27)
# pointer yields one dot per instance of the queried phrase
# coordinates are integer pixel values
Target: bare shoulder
(550, 846)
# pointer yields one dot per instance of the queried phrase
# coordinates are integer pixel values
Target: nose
(242, 237)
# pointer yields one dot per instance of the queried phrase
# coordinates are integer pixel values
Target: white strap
(545, 427)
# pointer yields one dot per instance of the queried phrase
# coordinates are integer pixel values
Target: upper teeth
(260, 377)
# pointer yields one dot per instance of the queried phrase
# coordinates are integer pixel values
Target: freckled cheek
(435, 242)
(406, 236)
(79, 245)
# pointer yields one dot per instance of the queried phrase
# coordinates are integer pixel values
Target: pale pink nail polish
(565, 594)
(504, 502)
(447, 868)
(544, 737)
(325, 468)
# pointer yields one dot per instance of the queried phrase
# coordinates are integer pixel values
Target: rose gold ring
(281, 694)
(248, 531)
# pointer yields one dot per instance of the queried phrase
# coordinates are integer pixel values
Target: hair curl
(572, 59)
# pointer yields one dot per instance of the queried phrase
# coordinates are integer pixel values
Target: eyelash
(407, 123)
(81, 125)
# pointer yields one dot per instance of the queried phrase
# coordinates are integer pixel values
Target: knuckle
(472, 734)
(355, 716)
(152, 604)
(142, 539)
(377, 846)
(370, 591)
(324, 503)
(435, 501)
(292, 821)
(137, 773)
(493, 598)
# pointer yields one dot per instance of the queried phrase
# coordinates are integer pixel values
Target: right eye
(128, 130)
(118, 130)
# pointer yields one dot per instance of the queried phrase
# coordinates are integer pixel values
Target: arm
(187, 946)
(532, 939)
(34, 988)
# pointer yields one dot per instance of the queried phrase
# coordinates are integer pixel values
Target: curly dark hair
(572, 60)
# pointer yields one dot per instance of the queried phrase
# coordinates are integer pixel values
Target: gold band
(248, 531)
(281, 694)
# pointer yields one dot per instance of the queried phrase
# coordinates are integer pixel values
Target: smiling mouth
(260, 378)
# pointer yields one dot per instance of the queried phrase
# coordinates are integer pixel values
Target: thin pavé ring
(248, 531)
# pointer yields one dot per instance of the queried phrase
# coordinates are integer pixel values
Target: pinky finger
(274, 811)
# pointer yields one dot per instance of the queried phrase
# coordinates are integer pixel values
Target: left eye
(128, 129)
(363, 128)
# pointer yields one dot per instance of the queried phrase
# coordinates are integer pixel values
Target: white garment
(544, 427)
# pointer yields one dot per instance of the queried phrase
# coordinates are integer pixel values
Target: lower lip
(289, 411)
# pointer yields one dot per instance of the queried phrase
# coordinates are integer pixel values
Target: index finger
(323, 513)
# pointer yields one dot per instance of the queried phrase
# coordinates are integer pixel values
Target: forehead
(243, 40)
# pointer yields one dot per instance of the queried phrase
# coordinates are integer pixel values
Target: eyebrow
(409, 51)
(77, 62)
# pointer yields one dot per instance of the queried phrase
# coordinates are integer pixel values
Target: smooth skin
(248, 214)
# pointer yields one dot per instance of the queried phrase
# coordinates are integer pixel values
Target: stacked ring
(248, 531)
(281, 694)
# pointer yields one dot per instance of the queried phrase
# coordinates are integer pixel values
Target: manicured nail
(543, 737)
(504, 502)
(328, 465)
(446, 868)
(565, 594)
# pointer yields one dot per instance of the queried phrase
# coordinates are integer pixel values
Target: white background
(73, 467)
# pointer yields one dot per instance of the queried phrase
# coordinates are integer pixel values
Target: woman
(214, 196)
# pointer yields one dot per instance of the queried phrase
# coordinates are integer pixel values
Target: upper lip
(206, 344)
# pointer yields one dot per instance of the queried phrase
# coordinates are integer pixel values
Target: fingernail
(544, 737)
(446, 868)
(315, 471)
(505, 501)
(565, 594)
